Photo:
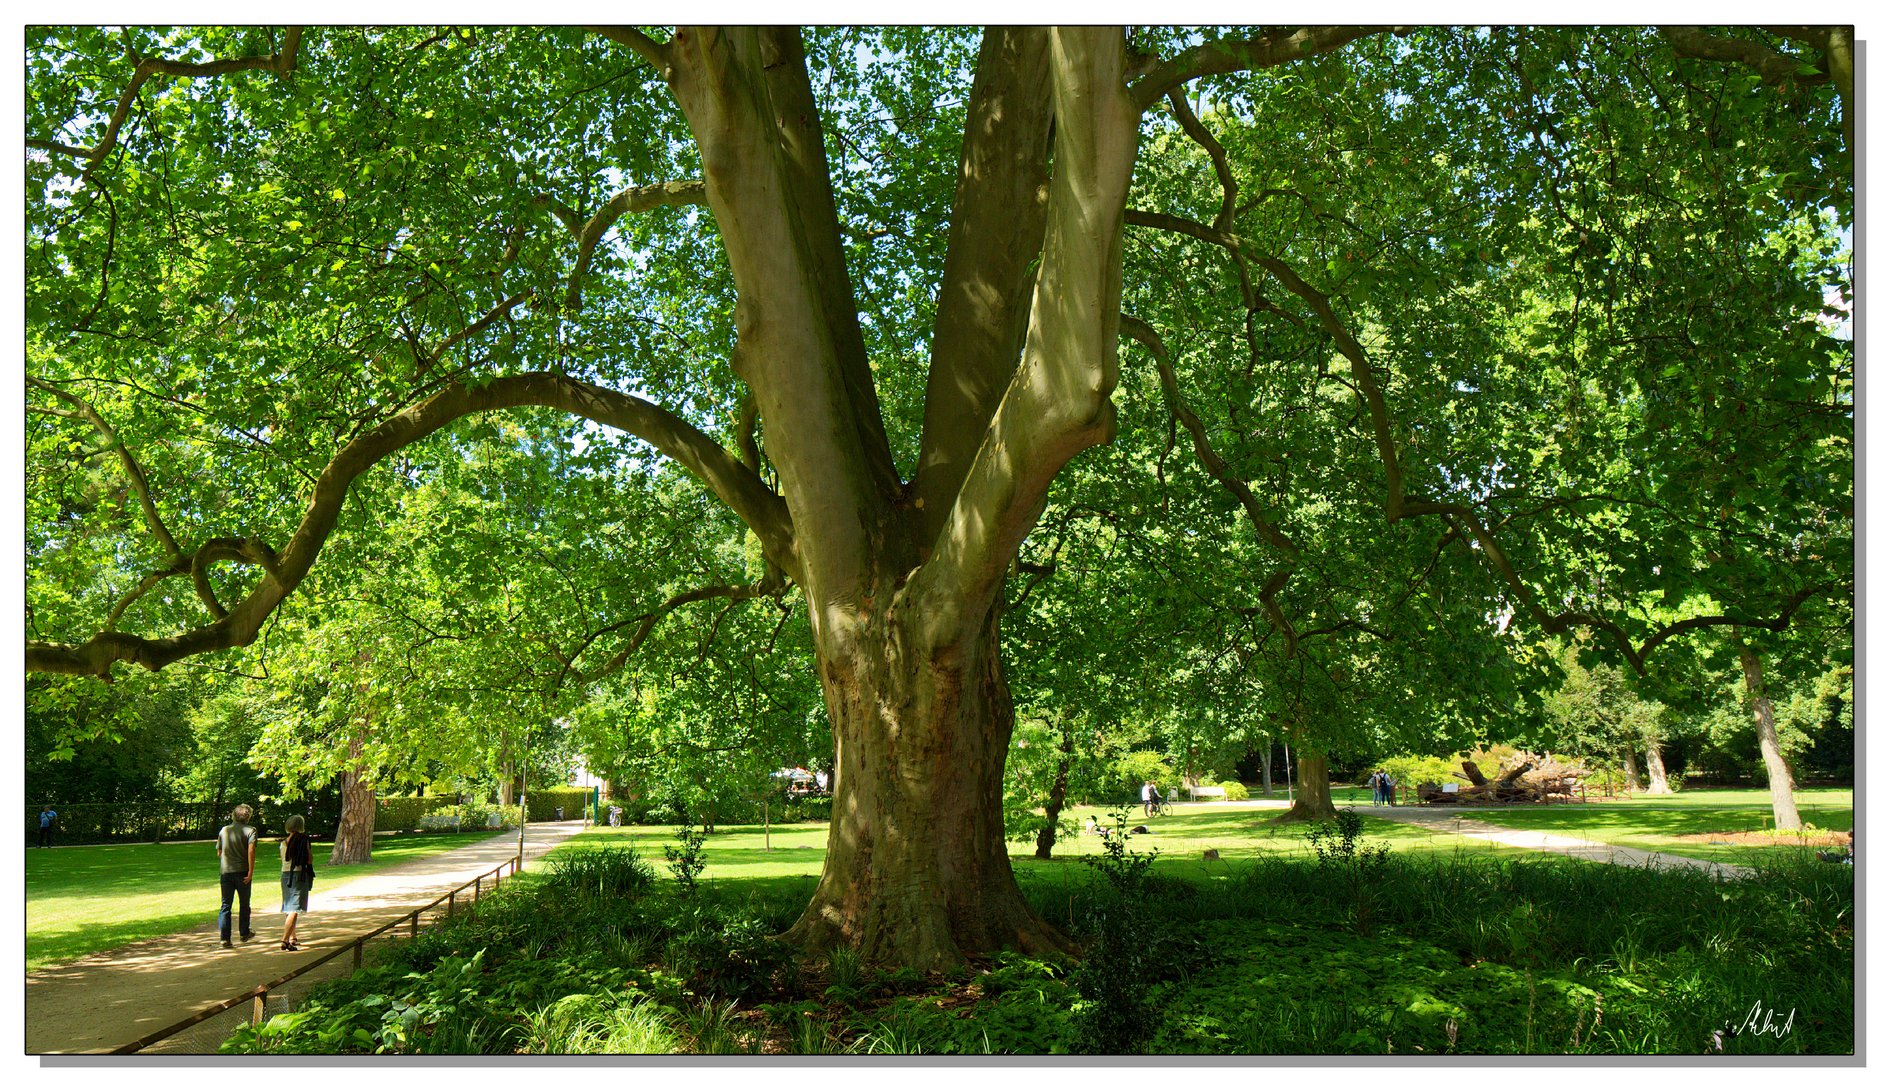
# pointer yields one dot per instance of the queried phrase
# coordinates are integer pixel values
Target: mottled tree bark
(1265, 769)
(917, 873)
(1780, 779)
(358, 810)
(1633, 783)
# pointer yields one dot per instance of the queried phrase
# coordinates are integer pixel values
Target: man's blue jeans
(232, 886)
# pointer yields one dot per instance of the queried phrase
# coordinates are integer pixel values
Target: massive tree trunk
(1311, 800)
(903, 582)
(1059, 787)
(1780, 779)
(358, 810)
(917, 872)
(1654, 763)
(1633, 783)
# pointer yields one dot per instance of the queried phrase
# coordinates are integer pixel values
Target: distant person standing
(1151, 797)
(1389, 788)
(234, 846)
(1376, 788)
(296, 879)
(47, 818)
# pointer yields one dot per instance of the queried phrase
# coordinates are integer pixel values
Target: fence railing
(259, 995)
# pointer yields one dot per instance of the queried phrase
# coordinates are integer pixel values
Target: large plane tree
(866, 289)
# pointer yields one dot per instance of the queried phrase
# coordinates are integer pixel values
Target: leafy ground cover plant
(1477, 956)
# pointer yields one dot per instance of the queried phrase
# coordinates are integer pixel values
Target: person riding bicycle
(1151, 799)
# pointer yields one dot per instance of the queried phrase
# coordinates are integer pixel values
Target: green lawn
(82, 900)
(1656, 822)
(1240, 834)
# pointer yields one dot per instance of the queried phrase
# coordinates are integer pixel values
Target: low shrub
(1119, 966)
(732, 954)
(1234, 790)
(600, 869)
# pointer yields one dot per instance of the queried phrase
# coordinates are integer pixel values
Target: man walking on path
(235, 847)
(46, 819)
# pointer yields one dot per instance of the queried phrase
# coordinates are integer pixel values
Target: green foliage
(732, 954)
(686, 859)
(607, 1023)
(1483, 956)
(1410, 770)
(1234, 791)
(404, 813)
(602, 870)
(1119, 966)
(1341, 854)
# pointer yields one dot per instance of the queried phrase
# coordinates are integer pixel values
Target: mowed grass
(1661, 822)
(1239, 833)
(83, 900)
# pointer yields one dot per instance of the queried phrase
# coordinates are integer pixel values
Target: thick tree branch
(745, 94)
(1772, 65)
(1835, 44)
(1268, 50)
(631, 201)
(1223, 169)
(992, 243)
(281, 63)
(740, 489)
(653, 52)
(1058, 401)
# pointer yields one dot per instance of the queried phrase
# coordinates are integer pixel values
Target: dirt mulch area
(1761, 839)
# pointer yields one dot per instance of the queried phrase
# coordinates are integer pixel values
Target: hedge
(114, 823)
(541, 804)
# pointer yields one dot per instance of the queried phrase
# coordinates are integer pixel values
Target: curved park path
(1447, 821)
(112, 998)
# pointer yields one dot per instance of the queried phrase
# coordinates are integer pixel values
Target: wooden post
(451, 907)
(260, 1005)
(358, 953)
(414, 924)
(479, 888)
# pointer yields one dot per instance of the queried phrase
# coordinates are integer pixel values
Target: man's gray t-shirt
(233, 842)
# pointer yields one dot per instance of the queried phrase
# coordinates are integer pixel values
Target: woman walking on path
(296, 879)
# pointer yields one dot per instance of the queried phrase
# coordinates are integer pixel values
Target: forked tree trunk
(916, 873)
(1053, 806)
(1265, 769)
(1654, 764)
(1311, 801)
(1633, 783)
(1780, 780)
(358, 810)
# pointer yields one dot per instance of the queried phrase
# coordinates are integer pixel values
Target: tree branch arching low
(730, 479)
